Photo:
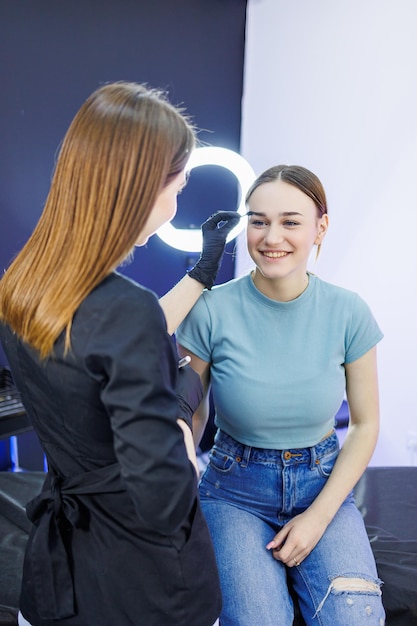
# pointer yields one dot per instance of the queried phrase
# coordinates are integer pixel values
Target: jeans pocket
(220, 460)
(325, 463)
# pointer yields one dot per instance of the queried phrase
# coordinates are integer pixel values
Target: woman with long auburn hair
(117, 534)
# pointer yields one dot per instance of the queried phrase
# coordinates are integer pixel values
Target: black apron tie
(53, 512)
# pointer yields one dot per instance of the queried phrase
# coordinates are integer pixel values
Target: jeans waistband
(244, 453)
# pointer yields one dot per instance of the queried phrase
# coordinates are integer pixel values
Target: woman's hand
(189, 393)
(215, 231)
(297, 538)
(178, 302)
(189, 444)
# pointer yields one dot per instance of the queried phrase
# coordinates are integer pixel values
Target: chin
(142, 242)
(271, 273)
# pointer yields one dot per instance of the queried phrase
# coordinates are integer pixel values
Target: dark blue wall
(54, 54)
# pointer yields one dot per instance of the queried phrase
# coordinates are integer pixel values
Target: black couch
(386, 496)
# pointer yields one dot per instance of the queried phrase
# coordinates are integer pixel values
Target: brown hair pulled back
(299, 177)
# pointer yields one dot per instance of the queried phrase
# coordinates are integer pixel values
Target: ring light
(190, 240)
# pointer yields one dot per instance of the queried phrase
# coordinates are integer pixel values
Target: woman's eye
(258, 223)
(290, 223)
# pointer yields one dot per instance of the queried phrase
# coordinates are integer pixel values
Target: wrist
(202, 276)
(197, 285)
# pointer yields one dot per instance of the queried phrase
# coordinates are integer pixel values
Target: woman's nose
(274, 235)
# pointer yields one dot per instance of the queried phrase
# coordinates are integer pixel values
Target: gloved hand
(189, 392)
(214, 242)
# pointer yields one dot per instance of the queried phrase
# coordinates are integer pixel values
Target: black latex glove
(190, 393)
(214, 242)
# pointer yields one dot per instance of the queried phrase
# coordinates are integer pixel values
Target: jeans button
(287, 455)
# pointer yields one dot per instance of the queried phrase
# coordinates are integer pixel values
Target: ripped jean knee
(353, 599)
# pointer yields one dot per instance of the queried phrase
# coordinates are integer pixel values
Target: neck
(281, 289)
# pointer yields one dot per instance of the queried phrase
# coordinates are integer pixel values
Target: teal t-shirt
(277, 368)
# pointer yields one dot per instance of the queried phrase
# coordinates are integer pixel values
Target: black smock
(118, 536)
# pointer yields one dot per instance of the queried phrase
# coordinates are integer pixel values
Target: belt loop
(313, 457)
(246, 456)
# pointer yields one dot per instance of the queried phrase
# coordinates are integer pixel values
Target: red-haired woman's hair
(125, 144)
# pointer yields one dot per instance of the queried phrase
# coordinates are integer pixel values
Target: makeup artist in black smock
(118, 536)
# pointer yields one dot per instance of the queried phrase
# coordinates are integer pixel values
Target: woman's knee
(354, 599)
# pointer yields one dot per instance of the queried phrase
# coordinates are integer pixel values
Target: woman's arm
(178, 302)
(189, 444)
(299, 537)
(362, 434)
(201, 415)
(128, 343)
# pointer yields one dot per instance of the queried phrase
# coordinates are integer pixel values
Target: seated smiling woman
(279, 347)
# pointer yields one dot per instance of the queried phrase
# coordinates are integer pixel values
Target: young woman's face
(164, 208)
(282, 230)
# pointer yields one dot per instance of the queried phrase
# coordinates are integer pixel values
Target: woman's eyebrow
(282, 214)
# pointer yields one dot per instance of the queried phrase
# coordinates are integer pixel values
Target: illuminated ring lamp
(190, 239)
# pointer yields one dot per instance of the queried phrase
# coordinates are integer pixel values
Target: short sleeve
(363, 332)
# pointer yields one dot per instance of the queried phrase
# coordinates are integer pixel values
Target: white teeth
(274, 255)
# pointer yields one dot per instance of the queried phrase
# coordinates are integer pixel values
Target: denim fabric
(247, 495)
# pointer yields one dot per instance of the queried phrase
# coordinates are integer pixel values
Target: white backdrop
(332, 86)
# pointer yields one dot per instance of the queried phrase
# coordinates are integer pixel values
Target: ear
(323, 224)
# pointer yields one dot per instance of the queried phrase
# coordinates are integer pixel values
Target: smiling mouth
(274, 255)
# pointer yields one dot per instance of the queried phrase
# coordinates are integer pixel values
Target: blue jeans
(247, 495)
